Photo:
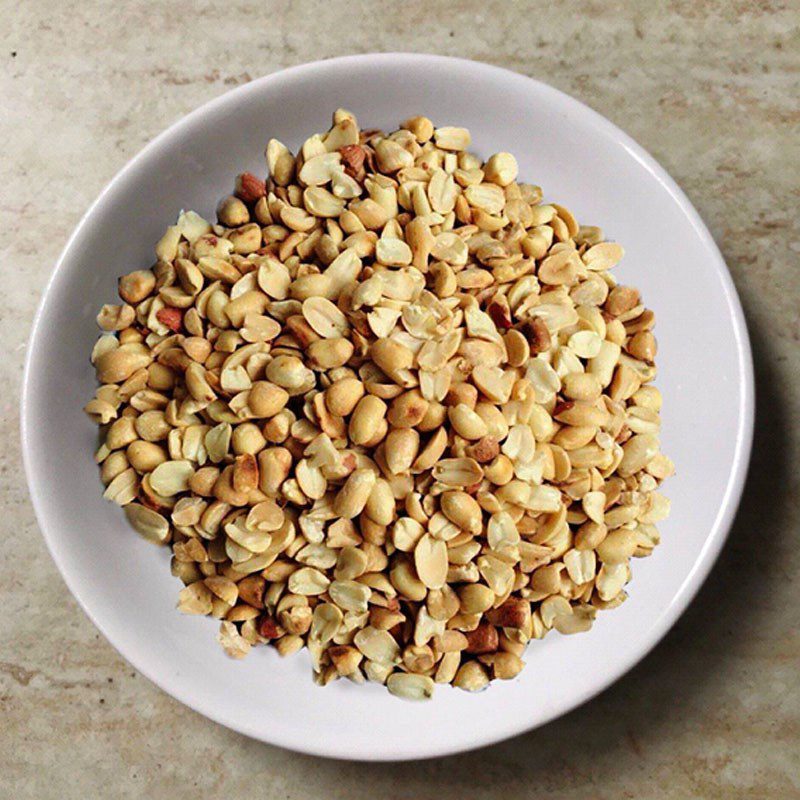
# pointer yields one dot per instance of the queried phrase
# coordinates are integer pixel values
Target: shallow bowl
(582, 161)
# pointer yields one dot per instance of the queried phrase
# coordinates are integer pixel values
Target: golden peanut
(475, 598)
(442, 604)
(506, 666)
(266, 399)
(572, 437)
(401, 449)
(252, 302)
(160, 377)
(225, 490)
(421, 127)
(617, 547)
(517, 347)
(115, 366)
(203, 481)
(625, 384)
(367, 417)
(590, 535)
(197, 348)
(197, 383)
(462, 510)
(246, 239)
(152, 426)
(232, 212)
(621, 299)
(276, 430)
(435, 415)
(501, 168)
(581, 386)
(638, 452)
(300, 328)
(342, 396)
(373, 532)
(390, 356)
(121, 433)
(462, 393)
(380, 506)
(352, 497)
(642, 345)
(496, 423)
(329, 353)
(404, 578)
(647, 397)
(369, 214)
(288, 372)
(431, 452)
(136, 286)
(274, 465)
(145, 456)
(407, 410)
(466, 422)
(116, 318)
(247, 438)
(114, 465)
(351, 563)
(245, 473)
(471, 677)
(576, 412)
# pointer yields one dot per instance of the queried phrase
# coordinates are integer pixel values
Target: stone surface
(712, 89)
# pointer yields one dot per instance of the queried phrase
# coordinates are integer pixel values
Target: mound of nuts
(391, 407)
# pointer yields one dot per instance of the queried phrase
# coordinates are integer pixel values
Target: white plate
(582, 161)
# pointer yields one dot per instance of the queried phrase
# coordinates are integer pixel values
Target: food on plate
(391, 407)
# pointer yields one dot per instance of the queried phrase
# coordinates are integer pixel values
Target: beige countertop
(712, 89)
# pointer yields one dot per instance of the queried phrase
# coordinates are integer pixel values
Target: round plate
(582, 161)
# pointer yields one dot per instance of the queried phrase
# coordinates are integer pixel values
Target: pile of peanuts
(391, 408)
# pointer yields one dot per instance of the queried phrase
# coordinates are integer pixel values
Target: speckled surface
(712, 89)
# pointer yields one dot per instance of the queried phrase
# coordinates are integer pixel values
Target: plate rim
(717, 534)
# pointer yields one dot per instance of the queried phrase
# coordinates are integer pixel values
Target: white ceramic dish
(580, 159)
